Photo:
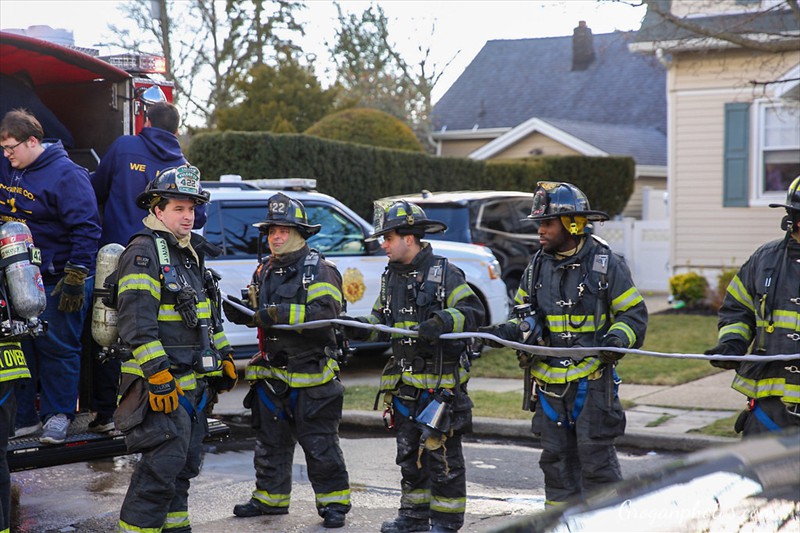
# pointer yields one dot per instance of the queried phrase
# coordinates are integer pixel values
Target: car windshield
(230, 226)
(455, 216)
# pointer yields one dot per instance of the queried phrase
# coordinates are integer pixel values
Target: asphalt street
(504, 484)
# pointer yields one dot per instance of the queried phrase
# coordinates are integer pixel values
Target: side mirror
(372, 247)
(150, 95)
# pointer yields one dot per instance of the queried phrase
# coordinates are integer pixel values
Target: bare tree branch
(777, 42)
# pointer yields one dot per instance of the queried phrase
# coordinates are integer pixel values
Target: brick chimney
(582, 47)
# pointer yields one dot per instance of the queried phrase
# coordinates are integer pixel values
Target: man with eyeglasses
(42, 187)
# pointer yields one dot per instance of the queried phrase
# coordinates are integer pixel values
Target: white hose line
(576, 353)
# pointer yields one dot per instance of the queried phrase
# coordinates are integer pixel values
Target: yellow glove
(164, 391)
(229, 375)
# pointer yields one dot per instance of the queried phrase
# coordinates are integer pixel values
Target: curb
(370, 421)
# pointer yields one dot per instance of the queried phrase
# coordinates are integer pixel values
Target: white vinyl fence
(645, 245)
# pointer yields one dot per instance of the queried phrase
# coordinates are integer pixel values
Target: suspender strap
(569, 421)
(6, 395)
(764, 418)
(269, 404)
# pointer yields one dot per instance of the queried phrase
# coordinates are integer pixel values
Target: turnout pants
(773, 416)
(578, 452)
(158, 495)
(282, 417)
(437, 489)
(7, 410)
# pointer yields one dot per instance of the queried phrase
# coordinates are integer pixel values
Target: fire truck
(95, 100)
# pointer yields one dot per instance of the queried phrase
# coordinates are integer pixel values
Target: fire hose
(576, 353)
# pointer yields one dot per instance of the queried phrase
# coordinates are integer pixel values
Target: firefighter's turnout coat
(580, 299)
(762, 309)
(296, 395)
(151, 271)
(429, 286)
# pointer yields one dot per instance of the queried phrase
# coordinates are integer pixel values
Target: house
(733, 123)
(576, 95)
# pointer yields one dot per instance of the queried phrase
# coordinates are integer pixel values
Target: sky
(455, 31)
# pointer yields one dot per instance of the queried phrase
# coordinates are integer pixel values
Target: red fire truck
(96, 100)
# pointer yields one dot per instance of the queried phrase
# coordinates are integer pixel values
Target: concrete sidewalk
(662, 418)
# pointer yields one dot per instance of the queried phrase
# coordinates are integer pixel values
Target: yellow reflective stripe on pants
(271, 500)
(125, 527)
(416, 497)
(448, 505)
(340, 496)
(176, 520)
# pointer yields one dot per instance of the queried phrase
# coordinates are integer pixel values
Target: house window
(778, 148)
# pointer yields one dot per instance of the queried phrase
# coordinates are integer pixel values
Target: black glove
(727, 348)
(506, 330)
(607, 356)
(352, 333)
(235, 315)
(264, 318)
(430, 329)
(71, 287)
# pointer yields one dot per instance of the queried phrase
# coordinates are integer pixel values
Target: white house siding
(706, 236)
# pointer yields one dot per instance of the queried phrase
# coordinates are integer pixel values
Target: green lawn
(665, 334)
(491, 404)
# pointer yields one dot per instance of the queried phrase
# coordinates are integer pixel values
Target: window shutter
(737, 135)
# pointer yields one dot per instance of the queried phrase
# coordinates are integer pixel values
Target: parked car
(233, 211)
(495, 219)
(753, 485)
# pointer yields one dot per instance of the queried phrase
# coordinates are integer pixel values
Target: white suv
(235, 207)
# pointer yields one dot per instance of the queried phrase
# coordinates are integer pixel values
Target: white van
(236, 206)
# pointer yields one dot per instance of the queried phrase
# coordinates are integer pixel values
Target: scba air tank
(104, 318)
(23, 278)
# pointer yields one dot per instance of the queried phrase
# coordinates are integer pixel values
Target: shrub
(366, 126)
(357, 174)
(723, 280)
(690, 288)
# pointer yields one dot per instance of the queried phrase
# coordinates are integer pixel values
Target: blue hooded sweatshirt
(54, 197)
(132, 161)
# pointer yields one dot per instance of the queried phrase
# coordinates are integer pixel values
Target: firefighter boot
(252, 508)
(333, 519)
(405, 524)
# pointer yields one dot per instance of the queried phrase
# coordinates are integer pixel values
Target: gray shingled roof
(511, 81)
(647, 146)
(774, 21)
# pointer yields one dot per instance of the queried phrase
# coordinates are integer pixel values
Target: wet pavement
(504, 484)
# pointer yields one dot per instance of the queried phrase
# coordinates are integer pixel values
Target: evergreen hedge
(358, 174)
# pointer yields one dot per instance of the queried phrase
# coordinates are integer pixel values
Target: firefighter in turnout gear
(296, 395)
(582, 295)
(13, 367)
(424, 384)
(761, 311)
(168, 317)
